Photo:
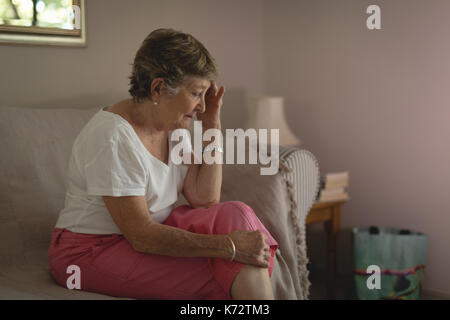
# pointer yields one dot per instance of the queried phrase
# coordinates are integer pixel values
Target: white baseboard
(427, 294)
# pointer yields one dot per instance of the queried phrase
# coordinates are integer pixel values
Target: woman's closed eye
(197, 95)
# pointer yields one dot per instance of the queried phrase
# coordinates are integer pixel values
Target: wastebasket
(389, 263)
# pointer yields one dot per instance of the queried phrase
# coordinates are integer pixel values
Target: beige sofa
(35, 149)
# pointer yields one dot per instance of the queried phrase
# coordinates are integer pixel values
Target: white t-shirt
(109, 159)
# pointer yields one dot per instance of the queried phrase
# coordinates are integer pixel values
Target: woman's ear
(156, 88)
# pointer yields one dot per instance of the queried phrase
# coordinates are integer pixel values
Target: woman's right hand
(251, 247)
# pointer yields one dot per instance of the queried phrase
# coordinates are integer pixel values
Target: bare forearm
(170, 241)
(209, 176)
(209, 182)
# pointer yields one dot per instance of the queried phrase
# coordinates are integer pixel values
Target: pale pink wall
(375, 103)
(43, 76)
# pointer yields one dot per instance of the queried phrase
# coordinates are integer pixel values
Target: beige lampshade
(267, 112)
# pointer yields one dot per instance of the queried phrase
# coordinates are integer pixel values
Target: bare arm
(203, 183)
(132, 217)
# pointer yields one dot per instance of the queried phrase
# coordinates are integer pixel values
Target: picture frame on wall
(43, 22)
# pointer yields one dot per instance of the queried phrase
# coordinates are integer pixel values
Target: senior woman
(119, 225)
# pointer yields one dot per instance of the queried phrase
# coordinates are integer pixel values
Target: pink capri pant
(109, 265)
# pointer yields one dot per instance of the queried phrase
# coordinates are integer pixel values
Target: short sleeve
(117, 169)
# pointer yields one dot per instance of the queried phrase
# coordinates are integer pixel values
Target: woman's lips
(190, 117)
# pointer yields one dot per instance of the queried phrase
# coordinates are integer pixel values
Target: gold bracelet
(234, 248)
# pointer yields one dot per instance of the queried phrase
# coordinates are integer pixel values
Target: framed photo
(43, 22)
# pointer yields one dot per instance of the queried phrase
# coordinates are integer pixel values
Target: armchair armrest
(300, 170)
(281, 202)
(303, 172)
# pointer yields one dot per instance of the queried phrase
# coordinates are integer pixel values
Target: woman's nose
(201, 106)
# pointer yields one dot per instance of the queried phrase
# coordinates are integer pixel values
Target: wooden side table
(328, 213)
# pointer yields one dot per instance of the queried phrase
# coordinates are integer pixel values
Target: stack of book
(333, 187)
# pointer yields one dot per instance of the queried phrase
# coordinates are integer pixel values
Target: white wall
(44, 76)
(374, 103)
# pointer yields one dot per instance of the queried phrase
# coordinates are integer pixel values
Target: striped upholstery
(305, 176)
(300, 169)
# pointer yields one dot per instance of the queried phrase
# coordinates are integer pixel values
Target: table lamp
(267, 112)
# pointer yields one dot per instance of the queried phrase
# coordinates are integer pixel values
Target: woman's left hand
(213, 100)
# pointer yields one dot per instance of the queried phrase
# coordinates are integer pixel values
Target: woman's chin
(187, 121)
(184, 124)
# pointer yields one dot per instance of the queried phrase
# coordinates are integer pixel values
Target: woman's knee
(237, 212)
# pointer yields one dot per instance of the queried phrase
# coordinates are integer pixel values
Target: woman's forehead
(197, 82)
